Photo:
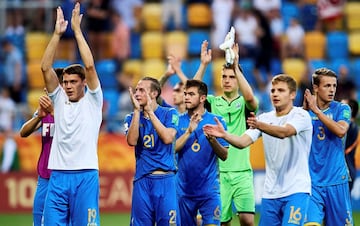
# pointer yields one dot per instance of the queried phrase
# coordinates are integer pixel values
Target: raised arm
(219, 131)
(194, 122)
(244, 86)
(339, 128)
(91, 76)
(205, 59)
(49, 75)
(281, 132)
(33, 124)
(175, 63)
(133, 130)
(220, 151)
(167, 135)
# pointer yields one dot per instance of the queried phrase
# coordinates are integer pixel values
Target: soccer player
(178, 90)
(73, 190)
(198, 185)
(236, 175)
(330, 197)
(351, 141)
(286, 133)
(151, 129)
(44, 118)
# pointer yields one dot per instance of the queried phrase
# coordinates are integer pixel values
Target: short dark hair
(77, 69)
(155, 84)
(202, 87)
(319, 73)
(290, 81)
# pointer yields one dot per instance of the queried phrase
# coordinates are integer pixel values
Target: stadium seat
(61, 63)
(135, 42)
(152, 45)
(111, 97)
(315, 42)
(153, 68)
(317, 63)
(289, 10)
(337, 45)
(196, 37)
(133, 68)
(33, 98)
(216, 66)
(354, 43)
(294, 67)
(151, 16)
(199, 15)
(36, 43)
(106, 70)
(108, 52)
(352, 15)
(276, 66)
(336, 63)
(34, 75)
(309, 16)
(248, 66)
(176, 43)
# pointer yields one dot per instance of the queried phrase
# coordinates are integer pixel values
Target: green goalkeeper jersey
(234, 113)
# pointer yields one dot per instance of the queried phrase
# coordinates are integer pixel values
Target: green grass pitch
(106, 219)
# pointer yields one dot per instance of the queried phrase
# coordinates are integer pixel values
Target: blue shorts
(39, 200)
(154, 201)
(209, 208)
(73, 195)
(331, 204)
(289, 210)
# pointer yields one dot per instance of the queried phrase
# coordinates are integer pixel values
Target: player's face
(229, 81)
(141, 91)
(281, 97)
(73, 86)
(178, 94)
(192, 98)
(326, 89)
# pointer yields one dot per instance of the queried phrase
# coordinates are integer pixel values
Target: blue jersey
(327, 161)
(150, 151)
(198, 173)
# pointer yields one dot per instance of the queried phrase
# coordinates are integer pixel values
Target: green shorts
(236, 190)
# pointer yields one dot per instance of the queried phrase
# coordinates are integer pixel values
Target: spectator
(346, 89)
(294, 42)
(120, 43)
(172, 11)
(265, 49)
(222, 10)
(266, 5)
(14, 71)
(130, 10)
(98, 24)
(7, 116)
(246, 28)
